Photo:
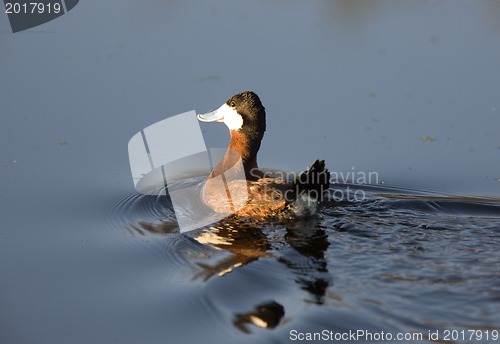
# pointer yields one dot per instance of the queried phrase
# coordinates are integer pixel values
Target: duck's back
(254, 199)
(267, 197)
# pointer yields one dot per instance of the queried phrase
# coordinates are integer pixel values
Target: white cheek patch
(232, 118)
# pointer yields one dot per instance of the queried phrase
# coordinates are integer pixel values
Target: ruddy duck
(237, 185)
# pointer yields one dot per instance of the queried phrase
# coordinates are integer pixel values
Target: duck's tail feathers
(313, 182)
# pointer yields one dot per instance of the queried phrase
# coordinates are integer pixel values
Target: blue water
(407, 92)
(398, 261)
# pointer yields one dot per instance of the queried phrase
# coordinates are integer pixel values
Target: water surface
(408, 91)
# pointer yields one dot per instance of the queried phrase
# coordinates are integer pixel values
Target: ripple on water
(148, 223)
(396, 260)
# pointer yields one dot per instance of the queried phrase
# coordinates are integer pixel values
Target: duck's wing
(267, 197)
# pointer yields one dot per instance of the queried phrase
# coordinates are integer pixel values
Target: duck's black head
(244, 115)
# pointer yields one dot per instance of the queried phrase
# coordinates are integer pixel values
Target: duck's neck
(244, 148)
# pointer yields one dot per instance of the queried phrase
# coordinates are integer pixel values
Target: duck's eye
(232, 104)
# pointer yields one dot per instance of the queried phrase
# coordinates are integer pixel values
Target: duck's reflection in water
(298, 245)
(266, 315)
(309, 240)
(243, 239)
(303, 253)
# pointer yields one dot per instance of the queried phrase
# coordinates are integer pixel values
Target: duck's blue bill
(214, 116)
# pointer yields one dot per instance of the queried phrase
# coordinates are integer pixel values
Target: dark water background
(407, 90)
